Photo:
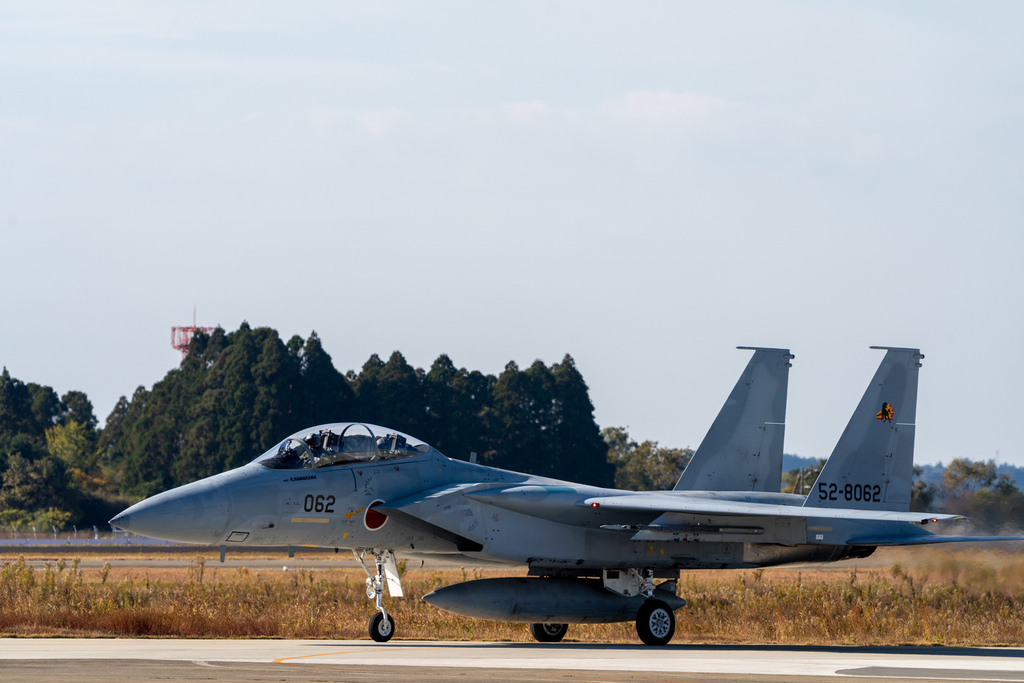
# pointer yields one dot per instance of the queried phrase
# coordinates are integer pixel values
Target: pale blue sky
(642, 185)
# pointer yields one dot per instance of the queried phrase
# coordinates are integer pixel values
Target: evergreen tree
(276, 379)
(148, 457)
(390, 394)
(578, 443)
(15, 408)
(78, 408)
(113, 435)
(327, 396)
(47, 410)
(520, 421)
(366, 386)
(456, 401)
(239, 426)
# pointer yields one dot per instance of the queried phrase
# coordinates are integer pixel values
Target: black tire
(655, 623)
(381, 627)
(548, 633)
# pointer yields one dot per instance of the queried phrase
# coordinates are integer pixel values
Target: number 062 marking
(318, 503)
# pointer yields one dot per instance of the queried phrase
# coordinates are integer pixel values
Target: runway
(100, 659)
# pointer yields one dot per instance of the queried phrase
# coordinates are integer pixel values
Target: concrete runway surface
(103, 659)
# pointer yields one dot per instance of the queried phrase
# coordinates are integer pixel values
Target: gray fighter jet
(593, 554)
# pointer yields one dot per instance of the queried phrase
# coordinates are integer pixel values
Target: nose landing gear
(382, 625)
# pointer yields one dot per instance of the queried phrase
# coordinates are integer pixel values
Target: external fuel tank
(545, 600)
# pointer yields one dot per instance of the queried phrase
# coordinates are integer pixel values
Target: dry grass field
(964, 596)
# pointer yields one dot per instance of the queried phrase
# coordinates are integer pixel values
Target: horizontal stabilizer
(927, 539)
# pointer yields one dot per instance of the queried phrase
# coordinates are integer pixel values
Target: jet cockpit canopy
(341, 444)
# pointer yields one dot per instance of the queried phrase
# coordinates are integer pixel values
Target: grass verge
(951, 598)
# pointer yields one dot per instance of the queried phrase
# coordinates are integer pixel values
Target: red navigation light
(595, 505)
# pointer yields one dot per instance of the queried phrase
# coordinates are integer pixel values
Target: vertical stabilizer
(743, 449)
(872, 466)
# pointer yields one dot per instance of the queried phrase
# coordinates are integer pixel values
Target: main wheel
(381, 627)
(655, 623)
(548, 633)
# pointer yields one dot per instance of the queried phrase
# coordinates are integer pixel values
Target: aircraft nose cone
(195, 513)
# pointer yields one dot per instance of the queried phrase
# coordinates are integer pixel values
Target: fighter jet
(593, 555)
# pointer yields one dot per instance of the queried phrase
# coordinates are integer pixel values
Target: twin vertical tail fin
(872, 466)
(743, 449)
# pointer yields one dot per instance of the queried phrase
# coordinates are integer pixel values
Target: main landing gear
(382, 625)
(548, 633)
(622, 595)
(655, 623)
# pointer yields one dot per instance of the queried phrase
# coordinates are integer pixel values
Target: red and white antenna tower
(181, 336)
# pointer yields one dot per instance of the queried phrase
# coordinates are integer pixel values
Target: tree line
(237, 394)
(47, 457)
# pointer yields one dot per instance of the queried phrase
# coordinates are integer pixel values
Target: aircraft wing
(425, 496)
(438, 510)
(421, 511)
(661, 503)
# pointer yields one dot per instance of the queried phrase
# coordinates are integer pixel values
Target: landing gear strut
(381, 626)
(655, 623)
(548, 633)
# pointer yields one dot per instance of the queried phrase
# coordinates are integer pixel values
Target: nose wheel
(382, 625)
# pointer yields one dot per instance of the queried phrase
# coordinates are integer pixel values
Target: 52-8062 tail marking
(861, 493)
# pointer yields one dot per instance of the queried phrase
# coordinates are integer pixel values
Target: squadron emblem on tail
(885, 414)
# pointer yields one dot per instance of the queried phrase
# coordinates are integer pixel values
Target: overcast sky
(642, 185)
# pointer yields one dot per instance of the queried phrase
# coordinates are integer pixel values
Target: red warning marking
(374, 519)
